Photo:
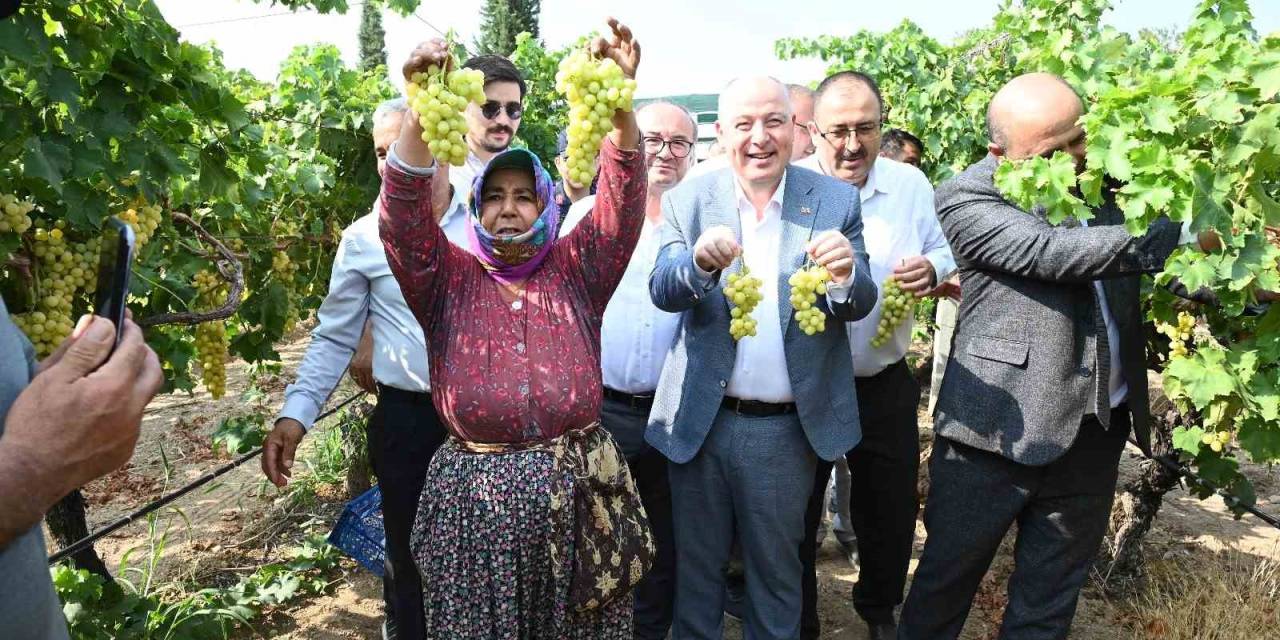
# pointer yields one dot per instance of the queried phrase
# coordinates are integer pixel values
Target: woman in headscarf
(529, 526)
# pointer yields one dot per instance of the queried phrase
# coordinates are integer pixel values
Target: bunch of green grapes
(211, 337)
(1178, 335)
(1217, 440)
(285, 271)
(439, 98)
(14, 214)
(595, 88)
(743, 290)
(144, 218)
(806, 285)
(62, 269)
(896, 306)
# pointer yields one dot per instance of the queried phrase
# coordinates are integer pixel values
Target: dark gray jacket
(1022, 373)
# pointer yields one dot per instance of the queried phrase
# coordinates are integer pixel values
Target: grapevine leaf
(1160, 115)
(46, 160)
(1263, 130)
(1224, 106)
(1266, 75)
(1195, 270)
(1188, 440)
(1209, 212)
(1203, 376)
(1116, 157)
(1270, 208)
(1266, 396)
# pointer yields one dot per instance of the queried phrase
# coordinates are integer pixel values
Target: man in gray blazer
(744, 423)
(1047, 376)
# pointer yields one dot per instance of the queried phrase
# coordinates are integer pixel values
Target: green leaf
(1209, 212)
(1160, 115)
(1266, 75)
(1263, 129)
(1188, 440)
(1202, 376)
(46, 160)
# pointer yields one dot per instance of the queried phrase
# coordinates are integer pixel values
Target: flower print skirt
(531, 541)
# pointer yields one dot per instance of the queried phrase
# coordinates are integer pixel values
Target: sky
(688, 46)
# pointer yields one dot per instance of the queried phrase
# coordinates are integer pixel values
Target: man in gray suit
(744, 423)
(1047, 376)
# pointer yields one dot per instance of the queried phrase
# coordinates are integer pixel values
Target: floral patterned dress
(522, 371)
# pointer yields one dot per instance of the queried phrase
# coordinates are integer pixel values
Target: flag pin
(806, 210)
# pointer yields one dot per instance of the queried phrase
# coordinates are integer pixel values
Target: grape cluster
(1217, 440)
(211, 337)
(14, 216)
(895, 307)
(743, 290)
(806, 285)
(595, 88)
(1178, 334)
(284, 269)
(439, 98)
(144, 218)
(62, 268)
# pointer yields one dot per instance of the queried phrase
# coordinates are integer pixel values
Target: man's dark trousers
(404, 432)
(1061, 509)
(655, 595)
(882, 501)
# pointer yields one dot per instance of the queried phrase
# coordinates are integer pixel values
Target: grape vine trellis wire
(85, 542)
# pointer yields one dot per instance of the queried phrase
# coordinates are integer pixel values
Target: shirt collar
(744, 203)
(457, 207)
(875, 182)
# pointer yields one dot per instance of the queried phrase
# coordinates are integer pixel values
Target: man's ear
(995, 150)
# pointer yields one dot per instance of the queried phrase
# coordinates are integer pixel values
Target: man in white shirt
(905, 242)
(635, 337)
(404, 430)
(492, 126)
(745, 422)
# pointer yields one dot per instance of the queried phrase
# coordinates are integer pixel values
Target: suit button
(1085, 372)
(723, 384)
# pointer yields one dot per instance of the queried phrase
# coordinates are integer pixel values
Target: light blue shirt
(361, 286)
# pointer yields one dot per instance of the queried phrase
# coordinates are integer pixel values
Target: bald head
(756, 128)
(1035, 115)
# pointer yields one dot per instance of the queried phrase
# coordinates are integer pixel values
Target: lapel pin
(806, 210)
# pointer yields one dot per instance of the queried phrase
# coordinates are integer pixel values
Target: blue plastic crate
(359, 531)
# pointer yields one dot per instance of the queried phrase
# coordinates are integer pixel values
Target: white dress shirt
(462, 177)
(635, 335)
(1119, 389)
(361, 286)
(898, 221)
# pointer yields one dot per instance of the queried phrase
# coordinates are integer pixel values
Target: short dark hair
(843, 77)
(496, 69)
(894, 140)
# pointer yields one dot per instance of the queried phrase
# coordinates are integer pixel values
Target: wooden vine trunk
(67, 523)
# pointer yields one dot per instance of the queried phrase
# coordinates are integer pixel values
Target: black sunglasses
(490, 110)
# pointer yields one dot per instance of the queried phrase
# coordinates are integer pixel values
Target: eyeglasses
(840, 134)
(490, 109)
(653, 146)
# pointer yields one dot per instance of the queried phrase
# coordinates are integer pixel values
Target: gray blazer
(1021, 374)
(700, 362)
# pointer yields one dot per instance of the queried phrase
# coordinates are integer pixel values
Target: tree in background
(502, 20)
(372, 37)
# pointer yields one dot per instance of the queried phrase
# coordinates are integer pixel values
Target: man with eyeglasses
(905, 242)
(492, 126)
(634, 338)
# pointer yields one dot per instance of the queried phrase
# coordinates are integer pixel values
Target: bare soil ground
(239, 522)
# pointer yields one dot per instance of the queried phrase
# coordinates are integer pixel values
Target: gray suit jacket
(1022, 370)
(700, 362)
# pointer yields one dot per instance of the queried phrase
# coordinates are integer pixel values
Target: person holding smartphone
(63, 422)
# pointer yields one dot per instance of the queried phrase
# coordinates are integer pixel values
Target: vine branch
(228, 267)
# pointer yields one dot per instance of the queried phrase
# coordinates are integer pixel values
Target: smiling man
(744, 423)
(492, 126)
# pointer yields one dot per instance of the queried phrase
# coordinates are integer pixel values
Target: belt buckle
(737, 406)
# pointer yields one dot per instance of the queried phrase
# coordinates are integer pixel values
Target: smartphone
(114, 264)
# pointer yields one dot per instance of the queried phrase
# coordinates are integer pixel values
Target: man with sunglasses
(492, 126)
(905, 242)
(634, 338)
